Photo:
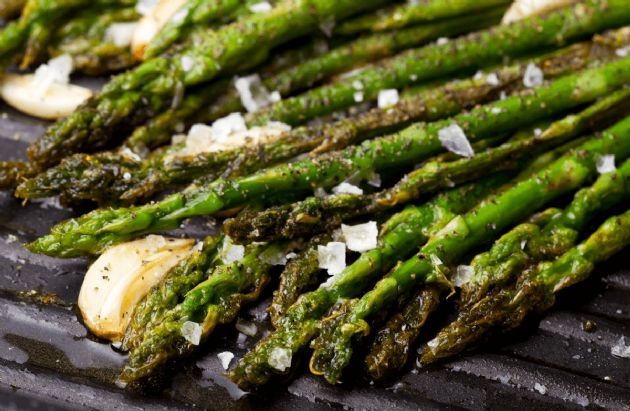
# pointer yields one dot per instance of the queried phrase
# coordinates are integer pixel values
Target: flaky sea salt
(606, 163)
(262, 7)
(225, 358)
(57, 70)
(187, 63)
(442, 41)
(347, 188)
(623, 52)
(387, 98)
(492, 79)
(231, 252)
(332, 257)
(246, 327)
(620, 349)
(120, 34)
(540, 388)
(145, 7)
(533, 76)
(454, 140)
(280, 358)
(228, 125)
(252, 92)
(360, 237)
(358, 97)
(191, 332)
(463, 274)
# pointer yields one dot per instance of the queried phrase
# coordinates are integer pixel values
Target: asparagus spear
(505, 308)
(543, 238)
(151, 87)
(215, 301)
(325, 213)
(300, 274)
(404, 15)
(101, 228)
(11, 172)
(399, 237)
(333, 347)
(173, 287)
(475, 50)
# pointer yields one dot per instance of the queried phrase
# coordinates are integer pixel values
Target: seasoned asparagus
(475, 50)
(215, 301)
(169, 292)
(92, 232)
(334, 346)
(324, 213)
(11, 8)
(12, 172)
(505, 308)
(404, 15)
(137, 95)
(399, 237)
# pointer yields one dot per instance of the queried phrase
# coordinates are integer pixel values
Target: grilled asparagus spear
(334, 346)
(11, 8)
(324, 213)
(101, 228)
(505, 308)
(399, 237)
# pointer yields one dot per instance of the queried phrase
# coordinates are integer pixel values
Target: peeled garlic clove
(57, 101)
(152, 23)
(522, 9)
(117, 281)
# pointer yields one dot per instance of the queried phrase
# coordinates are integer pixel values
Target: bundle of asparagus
(446, 164)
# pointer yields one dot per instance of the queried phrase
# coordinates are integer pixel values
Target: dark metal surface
(48, 361)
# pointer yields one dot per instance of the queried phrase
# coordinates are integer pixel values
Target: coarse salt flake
(120, 34)
(225, 358)
(191, 332)
(463, 274)
(606, 164)
(246, 327)
(492, 79)
(358, 96)
(387, 98)
(187, 63)
(57, 70)
(145, 7)
(231, 252)
(280, 358)
(620, 349)
(454, 140)
(533, 76)
(228, 125)
(442, 41)
(360, 237)
(347, 188)
(623, 52)
(262, 7)
(540, 388)
(252, 92)
(332, 257)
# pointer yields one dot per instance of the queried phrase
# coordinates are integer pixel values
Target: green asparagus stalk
(392, 343)
(11, 8)
(475, 50)
(324, 213)
(399, 237)
(137, 95)
(215, 301)
(404, 15)
(545, 237)
(93, 232)
(505, 308)
(334, 346)
(300, 274)
(171, 290)
(12, 172)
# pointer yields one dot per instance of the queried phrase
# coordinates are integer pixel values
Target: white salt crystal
(442, 41)
(358, 96)
(623, 52)
(145, 7)
(280, 358)
(463, 274)
(332, 257)
(606, 164)
(191, 332)
(540, 388)
(254, 96)
(454, 140)
(187, 63)
(347, 188)
(387, 98)
(246, 327)
(225, 358)
(262, 7)
(374, 180)
(120, 34)
(357, 85)
(533, 76)
(621, 349)
(57, 70)
(492, 79)
(231, 252)
(228, 125)
(360, 237)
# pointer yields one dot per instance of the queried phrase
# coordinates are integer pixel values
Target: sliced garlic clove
(521, 9)
(117, 281)
(58, 100)
(152, 23)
